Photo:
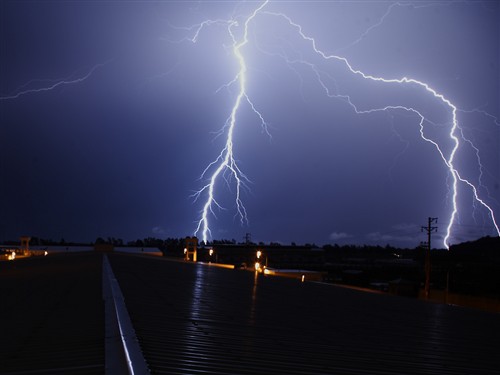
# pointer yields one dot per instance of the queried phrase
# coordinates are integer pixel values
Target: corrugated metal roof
(197, 319)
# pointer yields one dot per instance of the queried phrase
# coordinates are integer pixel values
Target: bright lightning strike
(448, 160)
(225, 162)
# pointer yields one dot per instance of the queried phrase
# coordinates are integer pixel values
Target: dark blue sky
(119, 153)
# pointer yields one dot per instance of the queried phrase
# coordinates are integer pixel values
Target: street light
(257, 261)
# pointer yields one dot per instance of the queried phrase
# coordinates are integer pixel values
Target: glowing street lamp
(258, 267)
(211, 254)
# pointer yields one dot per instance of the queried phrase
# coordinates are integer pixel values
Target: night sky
(110, 112)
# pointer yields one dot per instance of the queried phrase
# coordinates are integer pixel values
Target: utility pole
(427, 245)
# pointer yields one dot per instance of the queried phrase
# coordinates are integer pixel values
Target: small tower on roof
(191, 248)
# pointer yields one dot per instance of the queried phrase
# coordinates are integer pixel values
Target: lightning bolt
(225, 162)
(54, 84)
(388, 11)
(454, 129)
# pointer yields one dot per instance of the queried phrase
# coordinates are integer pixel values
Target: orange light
(257, 266)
